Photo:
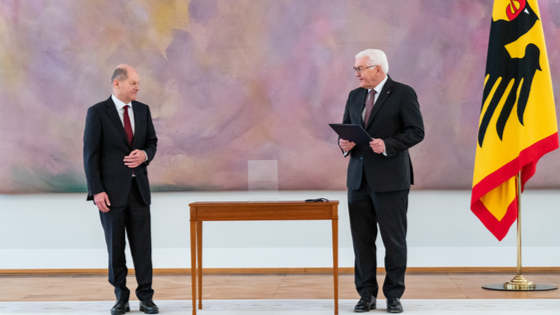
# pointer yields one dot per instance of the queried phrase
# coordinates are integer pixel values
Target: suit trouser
(367, 210)
(132, 219)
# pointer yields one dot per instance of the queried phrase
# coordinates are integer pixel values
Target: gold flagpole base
(519, 283)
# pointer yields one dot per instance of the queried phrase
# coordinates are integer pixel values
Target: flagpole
(519, 283)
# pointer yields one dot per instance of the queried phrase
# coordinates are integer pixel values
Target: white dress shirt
(377, 89)
(120, 109)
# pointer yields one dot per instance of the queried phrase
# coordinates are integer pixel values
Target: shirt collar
(118, 103)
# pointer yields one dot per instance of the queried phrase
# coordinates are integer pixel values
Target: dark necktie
(369, 105)
(127, 126)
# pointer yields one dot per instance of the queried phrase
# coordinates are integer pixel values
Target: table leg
(193, 265)
(199, 254)
(335, 263)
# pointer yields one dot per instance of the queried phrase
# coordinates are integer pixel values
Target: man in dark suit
(380, 175)
(119, 143)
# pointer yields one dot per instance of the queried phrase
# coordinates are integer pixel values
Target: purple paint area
(232, 81)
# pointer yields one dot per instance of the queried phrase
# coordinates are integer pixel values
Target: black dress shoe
(120, 308)
(394, 305)
(148, 307)
(366, 303)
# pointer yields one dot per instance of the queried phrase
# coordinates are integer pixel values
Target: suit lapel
(111, 110)
(138, 123)
(385, 92)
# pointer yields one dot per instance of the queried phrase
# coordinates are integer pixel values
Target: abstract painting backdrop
(230, 81)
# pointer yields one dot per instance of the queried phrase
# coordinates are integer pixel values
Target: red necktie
(127, 126)
(369, 105)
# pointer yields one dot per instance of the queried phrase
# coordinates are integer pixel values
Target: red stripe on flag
(527, 163)
(498, 228)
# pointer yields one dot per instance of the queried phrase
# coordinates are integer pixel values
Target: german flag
(518, 119)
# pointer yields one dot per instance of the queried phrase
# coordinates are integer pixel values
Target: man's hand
(346, 145)
(135, 158)
(102, 201)
(377, 145)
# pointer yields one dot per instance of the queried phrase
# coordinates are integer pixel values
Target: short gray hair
(120, 74)
(376, 57)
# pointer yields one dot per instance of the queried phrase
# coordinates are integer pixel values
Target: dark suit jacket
(106, 145)
(396, 119)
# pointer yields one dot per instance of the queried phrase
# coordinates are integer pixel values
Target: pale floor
(265, 286)
(295, 307)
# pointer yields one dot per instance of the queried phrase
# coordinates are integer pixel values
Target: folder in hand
(352, 132)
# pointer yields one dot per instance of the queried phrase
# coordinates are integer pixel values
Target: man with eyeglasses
(380, 175)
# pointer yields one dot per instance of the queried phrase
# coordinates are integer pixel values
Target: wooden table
(251, 211)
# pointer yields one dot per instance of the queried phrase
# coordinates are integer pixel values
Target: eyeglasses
(359, 70)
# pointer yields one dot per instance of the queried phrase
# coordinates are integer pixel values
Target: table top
(279, 202)
(246, 210)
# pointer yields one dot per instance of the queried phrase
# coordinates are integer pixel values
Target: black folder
(352, 132)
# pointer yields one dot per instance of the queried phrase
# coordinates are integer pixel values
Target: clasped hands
(134, 159)
(377, 145)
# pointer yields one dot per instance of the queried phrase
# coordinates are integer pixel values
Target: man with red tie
(119, 143)
(380, 175)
